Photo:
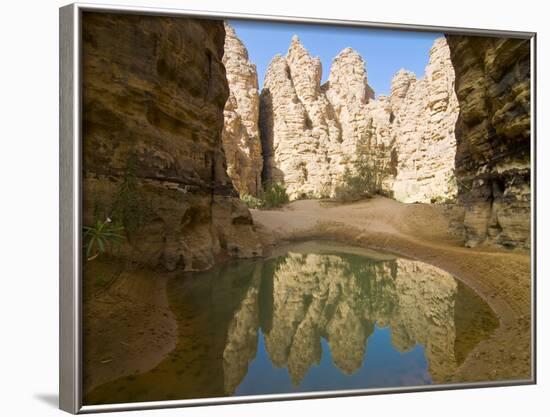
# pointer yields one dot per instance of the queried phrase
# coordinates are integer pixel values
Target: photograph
(274, 208)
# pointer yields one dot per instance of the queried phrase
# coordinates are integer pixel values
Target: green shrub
(101, 237)
(274, 195)
(438, 200)
(351, 188)
(364, 182)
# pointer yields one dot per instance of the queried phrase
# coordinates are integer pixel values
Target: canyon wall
(312, 133)
(424, 113)
(241, 134)
(153, 99)
(433, 139)
(493, 138)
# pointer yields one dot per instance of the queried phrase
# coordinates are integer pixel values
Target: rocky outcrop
(311, 134)
(364, 122)
(300, 133)
(424, 113)
(241, 135)
(493, 138)
(153, 99)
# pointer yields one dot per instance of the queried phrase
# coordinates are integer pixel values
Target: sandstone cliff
(241, 135)
(300, 134)
(493, 138)
(424, 113)
(154, 93)
(312, 133)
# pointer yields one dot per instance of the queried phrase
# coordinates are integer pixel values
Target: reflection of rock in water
(296, 300)
(242, 336)
(425, 297)
(304, 297)
(315, 295)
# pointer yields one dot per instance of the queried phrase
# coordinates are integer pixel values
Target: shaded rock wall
(493, 138)
(154, 93)
(241, 135)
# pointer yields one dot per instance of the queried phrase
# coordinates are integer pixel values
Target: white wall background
(29, 207)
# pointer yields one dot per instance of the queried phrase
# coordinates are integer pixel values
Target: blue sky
(385, 51)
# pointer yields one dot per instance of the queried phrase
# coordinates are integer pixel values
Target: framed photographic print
(262, 208)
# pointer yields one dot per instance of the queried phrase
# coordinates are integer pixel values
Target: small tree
(130, 207)
(274, 195)
(364, 180)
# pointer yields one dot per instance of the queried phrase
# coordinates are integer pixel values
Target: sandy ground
(420, 231)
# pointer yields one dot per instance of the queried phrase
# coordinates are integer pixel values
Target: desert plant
(363, 182)
(130, 206)
(438, 199)
(274, 195)
(102, 236)
(251, 201)
(352, 187)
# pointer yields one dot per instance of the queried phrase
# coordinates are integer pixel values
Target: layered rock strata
(154, 89)
(241, 135)
(493, 166)
(312, 133)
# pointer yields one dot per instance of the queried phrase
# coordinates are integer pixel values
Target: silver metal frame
(70, 279)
